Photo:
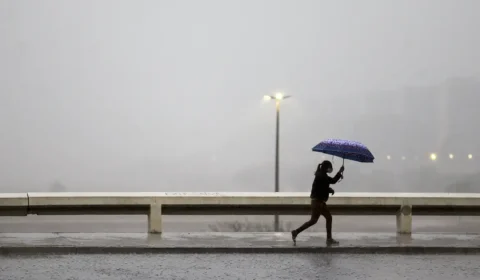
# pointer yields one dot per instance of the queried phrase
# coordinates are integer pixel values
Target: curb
(66, 250)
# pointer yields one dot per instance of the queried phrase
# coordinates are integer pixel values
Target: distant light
(389, 157)
(470, 156)
(450, 156)
(433, 157)
(404, 158)
(279, 96)
(267, 98)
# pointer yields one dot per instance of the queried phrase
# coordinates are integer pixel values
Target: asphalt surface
(137, 224)
(231, 266)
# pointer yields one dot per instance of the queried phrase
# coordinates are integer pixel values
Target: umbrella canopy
(345, 149)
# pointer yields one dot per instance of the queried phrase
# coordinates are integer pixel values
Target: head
(324, 168)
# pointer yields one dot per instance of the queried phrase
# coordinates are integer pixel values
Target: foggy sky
(167, 95)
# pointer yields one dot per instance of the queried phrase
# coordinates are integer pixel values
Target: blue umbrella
(345, 149)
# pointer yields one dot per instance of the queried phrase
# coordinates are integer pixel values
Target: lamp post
(278, 97)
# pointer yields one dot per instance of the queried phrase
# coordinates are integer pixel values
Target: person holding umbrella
(319, 195)
(345, 149)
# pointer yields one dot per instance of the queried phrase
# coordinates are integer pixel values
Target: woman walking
(320, 192)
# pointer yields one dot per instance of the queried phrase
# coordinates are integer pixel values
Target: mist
(167, 95)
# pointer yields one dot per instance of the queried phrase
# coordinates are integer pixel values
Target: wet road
(135, 224)
(255, 266)
(233, 266)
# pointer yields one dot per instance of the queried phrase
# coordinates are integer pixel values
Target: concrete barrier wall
(13, 204)
(91, 198)
(252, 198)
(412, 199)
(151, 203)
(13, 199)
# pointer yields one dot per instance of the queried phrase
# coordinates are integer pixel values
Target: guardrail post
(155, 219)
(404, 219)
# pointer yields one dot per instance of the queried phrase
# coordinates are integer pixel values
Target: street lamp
(278, 97)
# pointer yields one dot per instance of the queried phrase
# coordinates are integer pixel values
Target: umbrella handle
(343, 163)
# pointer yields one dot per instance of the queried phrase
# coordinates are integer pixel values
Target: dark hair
(323, 167)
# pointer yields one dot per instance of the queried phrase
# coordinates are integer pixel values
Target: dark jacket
(321, 186)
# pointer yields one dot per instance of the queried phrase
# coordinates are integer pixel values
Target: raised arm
(335, 179)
